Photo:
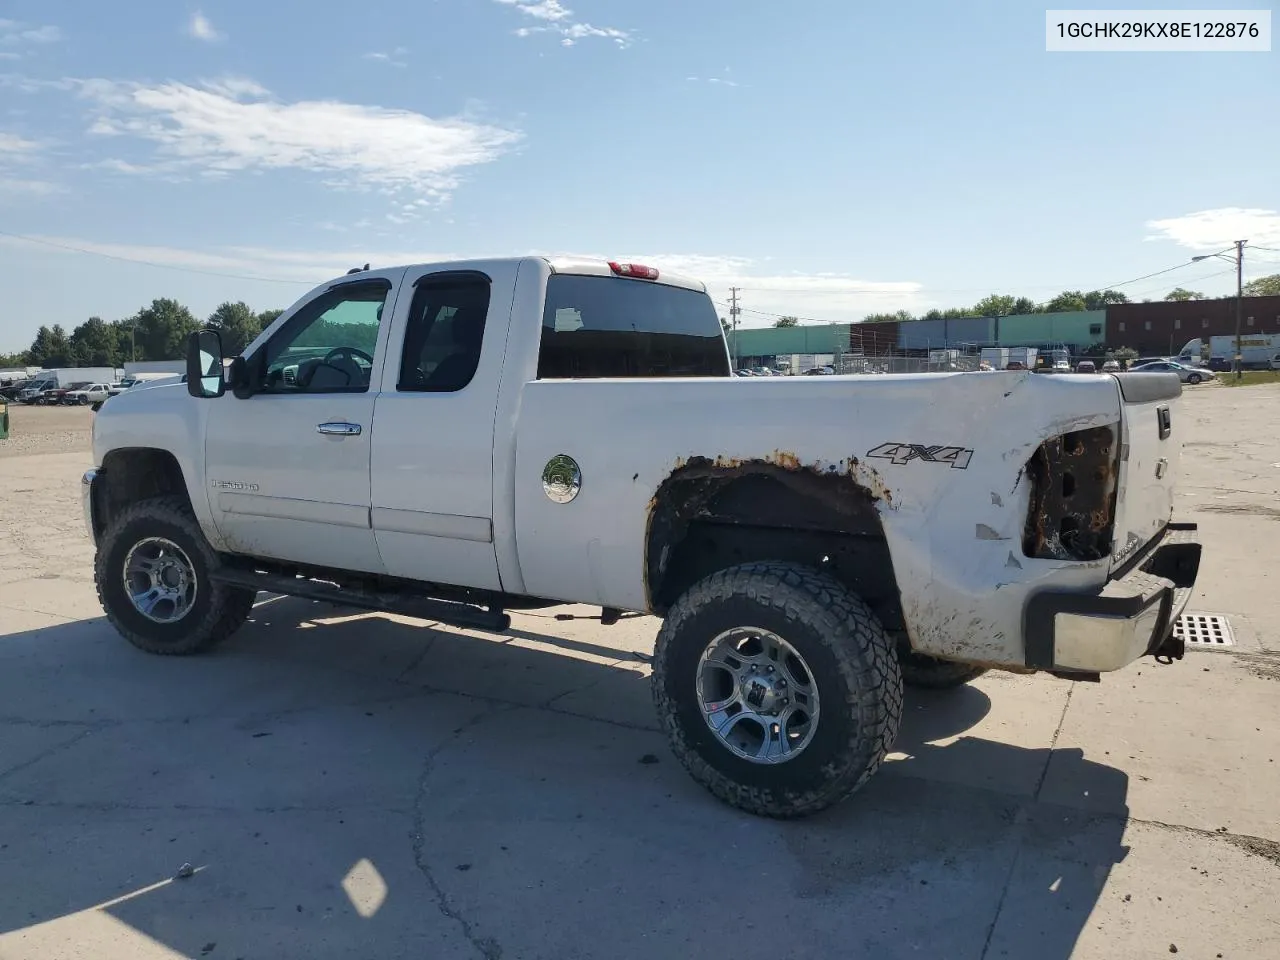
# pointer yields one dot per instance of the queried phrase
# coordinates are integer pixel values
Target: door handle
(339, 429)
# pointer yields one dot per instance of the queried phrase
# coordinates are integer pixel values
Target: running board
(422, 608)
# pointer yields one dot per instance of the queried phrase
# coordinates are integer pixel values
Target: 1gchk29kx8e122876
(458, 440)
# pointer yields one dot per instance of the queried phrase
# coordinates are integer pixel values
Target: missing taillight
(1073, 496)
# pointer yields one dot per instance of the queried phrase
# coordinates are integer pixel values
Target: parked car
(1275, 362)
(93, 393)
(1086, 366)
(1111, 366)
(1191, 375)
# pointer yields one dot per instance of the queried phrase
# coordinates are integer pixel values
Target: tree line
(1069, 301)
(156, 332)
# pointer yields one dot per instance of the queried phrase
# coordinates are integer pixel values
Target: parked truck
(455, 441)
(46, 382)
(1256, 351)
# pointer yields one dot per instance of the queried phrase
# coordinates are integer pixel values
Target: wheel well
(133, 474)
(708, 516)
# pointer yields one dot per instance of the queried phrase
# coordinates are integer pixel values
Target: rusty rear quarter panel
(943, 457)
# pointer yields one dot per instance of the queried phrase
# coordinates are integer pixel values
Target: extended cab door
(288, 465)
(433, 444)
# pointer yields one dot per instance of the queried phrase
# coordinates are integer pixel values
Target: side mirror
(204, 365)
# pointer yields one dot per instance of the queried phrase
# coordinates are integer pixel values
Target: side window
(328, 345)
(444, 334)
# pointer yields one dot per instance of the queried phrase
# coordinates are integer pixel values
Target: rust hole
(1068, 485)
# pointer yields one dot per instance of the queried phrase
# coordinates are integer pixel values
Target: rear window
(613, 327)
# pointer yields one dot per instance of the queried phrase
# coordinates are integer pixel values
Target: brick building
(1165, 326)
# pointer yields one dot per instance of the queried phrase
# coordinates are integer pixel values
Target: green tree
(1181, 293)
(268, 317)
(1065, 302)
(1099, 299)
(52, 348)
(237, 324)
(162, 330)
(15, 359)
(995, 305)
(786, 322)
(94, 343)
(1024, 305)
(1263, 286)
(122, 333)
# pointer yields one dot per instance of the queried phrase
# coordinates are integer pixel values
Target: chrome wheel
(757, 695)
(159, 580)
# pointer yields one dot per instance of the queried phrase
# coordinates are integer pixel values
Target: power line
(148, 263)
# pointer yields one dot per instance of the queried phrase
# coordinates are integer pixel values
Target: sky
(828, 158)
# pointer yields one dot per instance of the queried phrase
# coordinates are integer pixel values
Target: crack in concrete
(1053, 743)
(45, 754)
(421, 656)
(487, 947)
(1020, 822)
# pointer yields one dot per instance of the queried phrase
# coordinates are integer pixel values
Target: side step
(423, 608)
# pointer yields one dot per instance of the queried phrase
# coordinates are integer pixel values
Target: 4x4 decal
(900, 453)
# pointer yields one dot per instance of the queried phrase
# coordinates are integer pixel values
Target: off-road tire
(849, 657)
(218, 611)
(931, 673)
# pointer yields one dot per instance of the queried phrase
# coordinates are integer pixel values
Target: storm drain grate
(1204, 630)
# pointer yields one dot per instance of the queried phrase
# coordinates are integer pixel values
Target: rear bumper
(1131, 617)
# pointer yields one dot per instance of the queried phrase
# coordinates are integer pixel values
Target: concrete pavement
(363, 785)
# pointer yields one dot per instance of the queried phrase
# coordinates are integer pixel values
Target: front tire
(153, 570)
(811, 722)
(931, 673)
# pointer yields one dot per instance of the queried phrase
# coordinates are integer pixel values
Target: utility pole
(1239, 305)
(734, 310)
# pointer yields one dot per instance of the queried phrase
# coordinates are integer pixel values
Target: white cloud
(393, 58)
(559, 20)
(15, 33)
(232, 126)
(14, 186)
(303, 268)
(13, 145)
(717, 81)
(763, 294)
(202, 29)
(1214, 229)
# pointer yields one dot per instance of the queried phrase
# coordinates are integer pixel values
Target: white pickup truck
(457, 440)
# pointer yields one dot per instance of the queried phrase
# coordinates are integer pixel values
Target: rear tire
(931, 673)
(152, 572)
(841, 665)
(1194, 379)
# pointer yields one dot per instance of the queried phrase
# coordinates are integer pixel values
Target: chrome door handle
(337, 429)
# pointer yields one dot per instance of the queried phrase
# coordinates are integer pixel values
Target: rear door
(433, 444)
(1150, 459)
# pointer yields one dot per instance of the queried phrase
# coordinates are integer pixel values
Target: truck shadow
(343, 781)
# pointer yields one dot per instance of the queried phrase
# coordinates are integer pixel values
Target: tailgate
(1150, 454)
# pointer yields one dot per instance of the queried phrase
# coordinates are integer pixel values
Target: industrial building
(1164, 327)
(1158, 328)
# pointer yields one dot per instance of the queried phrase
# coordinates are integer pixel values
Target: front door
(433, 450)
(288, 466)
